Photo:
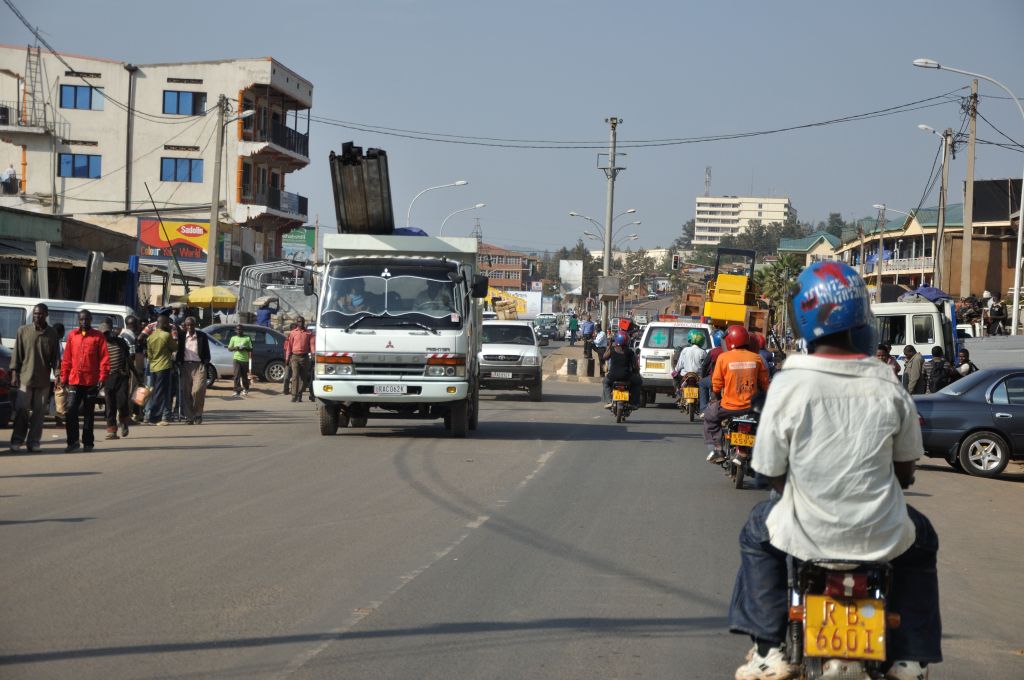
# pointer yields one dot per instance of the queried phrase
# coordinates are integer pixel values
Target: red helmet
(756, 342)
(736, 337)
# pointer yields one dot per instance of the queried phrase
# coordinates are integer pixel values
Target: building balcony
(908, 265)
(13, 119)
(278, 144)
(267, 208)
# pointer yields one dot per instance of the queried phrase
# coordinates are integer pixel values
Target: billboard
(298, 244)
(527, 302)
(571, 274)
(187, 239)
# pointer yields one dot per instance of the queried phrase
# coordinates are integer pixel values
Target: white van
(921, 324)
(660, 345)
(17, 311)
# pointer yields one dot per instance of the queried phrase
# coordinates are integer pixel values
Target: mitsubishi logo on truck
(390, 345)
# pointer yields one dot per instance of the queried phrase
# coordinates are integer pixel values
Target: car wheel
(984, 454)
(274, 371)
(211, 375)
(537, 391)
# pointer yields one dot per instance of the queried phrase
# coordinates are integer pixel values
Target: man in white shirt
(693, 355)
(838, 439)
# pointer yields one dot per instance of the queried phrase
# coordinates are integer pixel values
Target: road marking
(361, 613)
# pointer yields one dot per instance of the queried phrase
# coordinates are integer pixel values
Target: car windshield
(507, 335)
(382, 295)
(967, 383)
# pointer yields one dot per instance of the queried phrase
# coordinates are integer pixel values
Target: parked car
(510, 358)
(976, 424)
(268, 348)
(5, 387)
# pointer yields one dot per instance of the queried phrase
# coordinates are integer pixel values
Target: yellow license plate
(619, 395)
(848, 629)
(691, 393)
(741, 439)
(656, 364)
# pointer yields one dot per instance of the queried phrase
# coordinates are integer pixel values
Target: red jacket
(85, 361)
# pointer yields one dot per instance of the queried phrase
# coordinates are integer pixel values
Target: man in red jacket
(84, 367)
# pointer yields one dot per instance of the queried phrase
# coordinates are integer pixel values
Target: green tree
(776, 281)
(835, 224)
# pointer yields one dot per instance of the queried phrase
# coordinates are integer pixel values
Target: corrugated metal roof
(807, 242)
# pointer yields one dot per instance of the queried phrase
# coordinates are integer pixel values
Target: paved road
(554, 544)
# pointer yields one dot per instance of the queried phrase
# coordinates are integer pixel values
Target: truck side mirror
(307, 282)
(479, 288)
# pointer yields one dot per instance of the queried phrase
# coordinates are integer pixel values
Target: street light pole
(408, 212)
(931, 63)
(611, 171)
(445, 220)
(211, 247)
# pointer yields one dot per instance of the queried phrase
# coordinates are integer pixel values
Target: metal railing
(280, 134)
(284, 201)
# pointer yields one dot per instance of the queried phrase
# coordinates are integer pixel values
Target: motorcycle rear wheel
(739, 472)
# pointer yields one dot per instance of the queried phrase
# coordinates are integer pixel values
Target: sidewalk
(556, 365)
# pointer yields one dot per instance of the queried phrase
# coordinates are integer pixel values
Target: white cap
(986, 294)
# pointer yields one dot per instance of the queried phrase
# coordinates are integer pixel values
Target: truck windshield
(391, 296)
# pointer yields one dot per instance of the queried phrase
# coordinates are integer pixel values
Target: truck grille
(501, 358)
(388, 369)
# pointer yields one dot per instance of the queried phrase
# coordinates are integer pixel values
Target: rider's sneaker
(907, 670)
(772, 666)
(608, 405)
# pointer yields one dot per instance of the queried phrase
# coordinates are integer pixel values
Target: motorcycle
(621, 408)
(838, 619)
(689, 395)
(740, 433)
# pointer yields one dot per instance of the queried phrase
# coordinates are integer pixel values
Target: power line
(1009, 147)
(503, 142)
(152, 118)
(1006, 136)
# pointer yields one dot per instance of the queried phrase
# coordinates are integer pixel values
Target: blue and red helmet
(830, 297)
(620, 339)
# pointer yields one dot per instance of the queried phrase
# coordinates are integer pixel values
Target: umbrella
(212, 296)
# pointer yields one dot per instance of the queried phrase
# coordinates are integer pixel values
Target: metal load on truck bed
(362, 190)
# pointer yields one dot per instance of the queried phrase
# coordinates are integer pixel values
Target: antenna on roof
(707, 180)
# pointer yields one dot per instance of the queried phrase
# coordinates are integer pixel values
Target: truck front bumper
(364, 391)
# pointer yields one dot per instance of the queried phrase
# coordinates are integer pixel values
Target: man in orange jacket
(84, 367)
(739, 374)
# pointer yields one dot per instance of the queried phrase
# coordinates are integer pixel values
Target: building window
(184, 103)
(78, 165)
(181, 170)
(81, 97)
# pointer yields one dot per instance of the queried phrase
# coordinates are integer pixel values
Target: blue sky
(555, 69)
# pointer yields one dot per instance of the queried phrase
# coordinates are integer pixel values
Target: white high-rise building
(86, 136)
(718, 216)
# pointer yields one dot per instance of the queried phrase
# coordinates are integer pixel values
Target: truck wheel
(329, 419)
(537, 391)
(459, 417)
(650, 396)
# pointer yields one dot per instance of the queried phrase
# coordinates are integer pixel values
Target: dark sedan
(268, 348)
(976, 423)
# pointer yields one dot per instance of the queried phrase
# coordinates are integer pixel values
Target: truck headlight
(531, 360)
(435, 371)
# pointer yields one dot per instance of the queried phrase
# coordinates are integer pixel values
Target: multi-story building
(505, 269)
(105, 141)
(718, 216)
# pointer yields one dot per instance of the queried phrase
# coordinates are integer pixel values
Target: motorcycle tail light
(846, 584)
(796, 612)
(892, 620)
(745, 428)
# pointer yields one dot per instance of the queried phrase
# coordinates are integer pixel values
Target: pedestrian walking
(130, 334)
(574, 327)
(240, 345)
(964, 365)
(192, 358)
(83, 369)
(35, 359)
(116, 386)
(913, 371)
(161, 347)
(59, 395)
(297, 348)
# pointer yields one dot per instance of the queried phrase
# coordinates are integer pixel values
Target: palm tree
(776, 281)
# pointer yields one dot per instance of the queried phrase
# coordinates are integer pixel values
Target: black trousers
(81, 402)
(116, 391)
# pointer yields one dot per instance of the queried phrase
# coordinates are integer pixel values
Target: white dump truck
(398, 331)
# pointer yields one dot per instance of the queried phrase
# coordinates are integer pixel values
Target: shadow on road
(58, 520)
(51, 474)
(1007, 475)
(624, 627)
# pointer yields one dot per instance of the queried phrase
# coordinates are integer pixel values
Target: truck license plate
(389, 389)
(848, 629)
(502, 375)
(655, 364)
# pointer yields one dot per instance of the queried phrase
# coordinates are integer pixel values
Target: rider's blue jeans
(759, 605)
(704, 385)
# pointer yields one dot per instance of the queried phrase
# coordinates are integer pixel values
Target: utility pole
(611, 171)
(966, 244)
(947, 145)
(211, 248)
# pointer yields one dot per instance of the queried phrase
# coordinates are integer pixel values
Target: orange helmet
(736, 337)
